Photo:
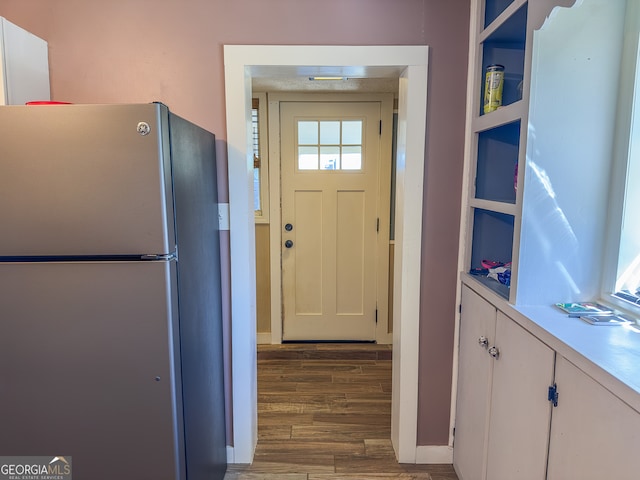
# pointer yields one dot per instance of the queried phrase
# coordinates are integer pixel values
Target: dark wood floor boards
(324, 412)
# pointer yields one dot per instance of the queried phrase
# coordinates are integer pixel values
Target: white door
(477, 332)
(594, 434)
(330, 162)
(520, 412)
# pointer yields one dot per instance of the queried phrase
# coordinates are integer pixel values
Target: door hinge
(553, 395)
(380, 132)
(376, 315)
(377, 224)
(460, 308)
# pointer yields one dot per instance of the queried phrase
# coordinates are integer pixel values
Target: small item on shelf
(488, 264)
(499, 271)
(578, 309)
(493, 85)
(479, 271)
(605, 319)
(502, 274)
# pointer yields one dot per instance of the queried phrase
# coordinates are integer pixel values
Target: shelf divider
(492, 206)
(507, 114)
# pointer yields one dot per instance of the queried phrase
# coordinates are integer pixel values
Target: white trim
(275, 214)
(407, 254)
(230, 455)
(464, 241)
(434, 454)
(243, 262)
(409, 63)
(264, 338)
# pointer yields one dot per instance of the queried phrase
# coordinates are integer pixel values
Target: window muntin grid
(329, 145)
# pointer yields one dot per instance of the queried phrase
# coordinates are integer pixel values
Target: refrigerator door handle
(157, 257)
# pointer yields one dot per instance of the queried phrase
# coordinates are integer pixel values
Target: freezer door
(85, 180)
(89, 367)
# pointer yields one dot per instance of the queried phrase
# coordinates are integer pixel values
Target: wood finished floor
(324, 412)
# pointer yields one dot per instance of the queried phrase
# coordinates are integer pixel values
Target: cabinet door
(26, 66)
(520, 411)
(477, 320)
(594, 434)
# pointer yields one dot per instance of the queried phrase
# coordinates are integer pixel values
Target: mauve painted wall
(172, 51)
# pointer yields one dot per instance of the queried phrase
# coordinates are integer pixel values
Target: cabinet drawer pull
(483, 342)
(494, 352)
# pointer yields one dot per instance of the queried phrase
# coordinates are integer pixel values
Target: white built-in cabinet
(530, 163)
(535, 193)
(24, 66)
(507, 426)
(504, 377)
(594, 434)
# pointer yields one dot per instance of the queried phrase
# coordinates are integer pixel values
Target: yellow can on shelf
(493, 84)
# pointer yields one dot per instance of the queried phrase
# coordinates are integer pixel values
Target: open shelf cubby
(492, 237)
(496, 163)
(492, 240)
(506, 47)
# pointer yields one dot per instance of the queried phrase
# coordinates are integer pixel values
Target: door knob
(288, 227)
(288, 244)
(483, 342)
(494, 352)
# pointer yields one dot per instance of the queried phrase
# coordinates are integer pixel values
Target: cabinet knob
(483, 342)
(494, 352)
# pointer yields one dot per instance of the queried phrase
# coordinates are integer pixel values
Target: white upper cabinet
(537, 168)
(24, 66)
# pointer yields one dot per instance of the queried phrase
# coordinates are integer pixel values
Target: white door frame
(409, 64)
(382, 248)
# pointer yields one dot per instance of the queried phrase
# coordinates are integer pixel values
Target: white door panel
(594, 434)
(330, 170)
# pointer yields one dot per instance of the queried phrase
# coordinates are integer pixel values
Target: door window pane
(307, 133)
(308, 158)
(329, 158)
(352, 158)
(329, 133)
(352, 132)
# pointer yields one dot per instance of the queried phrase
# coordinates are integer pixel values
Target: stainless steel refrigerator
(110, 316)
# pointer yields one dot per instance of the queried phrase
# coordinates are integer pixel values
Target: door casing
(409, 65)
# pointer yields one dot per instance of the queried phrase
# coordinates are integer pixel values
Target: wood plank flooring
(324, 412)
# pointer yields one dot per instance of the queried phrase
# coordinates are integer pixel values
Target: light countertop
(608, 354)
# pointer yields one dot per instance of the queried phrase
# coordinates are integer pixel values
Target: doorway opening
(409, 65)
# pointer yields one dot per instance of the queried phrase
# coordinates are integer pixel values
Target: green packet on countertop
(578, 309)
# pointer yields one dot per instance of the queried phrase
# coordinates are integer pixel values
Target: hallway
(324, 412)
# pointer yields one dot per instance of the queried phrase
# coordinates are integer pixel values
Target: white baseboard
(424, 454)
(231, 457)
(434, 454)
(263, 338)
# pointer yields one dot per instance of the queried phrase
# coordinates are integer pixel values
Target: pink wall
(172, 51)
